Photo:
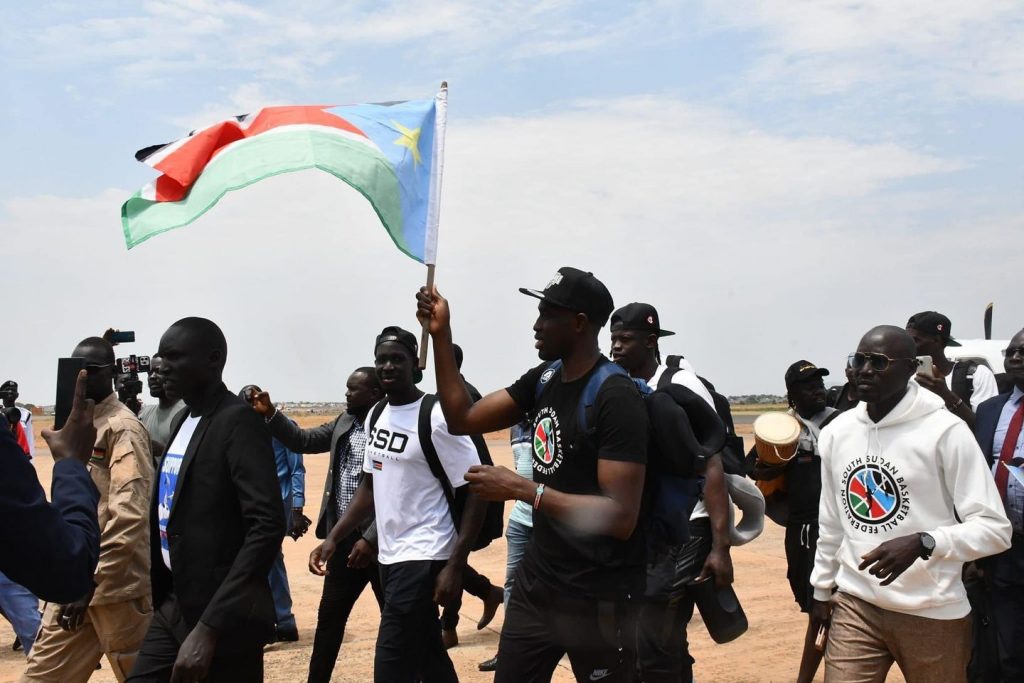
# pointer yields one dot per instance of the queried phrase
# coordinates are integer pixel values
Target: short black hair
(206, 332)
(371, 374)
(105, 347)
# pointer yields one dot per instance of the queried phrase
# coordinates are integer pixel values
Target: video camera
(127, 370)
(130, 386)
(8, 394)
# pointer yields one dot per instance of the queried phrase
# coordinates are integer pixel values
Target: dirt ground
(769, 651)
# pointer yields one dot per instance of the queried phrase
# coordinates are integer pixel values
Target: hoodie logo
(873, 494)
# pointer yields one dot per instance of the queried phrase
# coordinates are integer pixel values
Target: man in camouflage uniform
(112, 619)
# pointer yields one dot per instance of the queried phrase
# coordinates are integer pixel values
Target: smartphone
(67, 375)
(924, 366)
(122, 337)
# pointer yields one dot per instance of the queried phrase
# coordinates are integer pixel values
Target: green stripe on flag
(252, 160)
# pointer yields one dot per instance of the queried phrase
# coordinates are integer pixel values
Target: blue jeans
(517, 535)
(279, 584)
(21, 608)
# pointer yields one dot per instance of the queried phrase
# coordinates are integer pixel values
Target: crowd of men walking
(161, 546)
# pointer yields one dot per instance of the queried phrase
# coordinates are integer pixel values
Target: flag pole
(433, 210)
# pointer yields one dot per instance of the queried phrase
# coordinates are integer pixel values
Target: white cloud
(288, 42)
(757, 248)
(951, 48)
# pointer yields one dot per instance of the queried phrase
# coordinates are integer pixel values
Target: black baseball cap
(9, 384)
(638, 316)
(935, 324)
(803, 370)
(578, 291)
(396, 334)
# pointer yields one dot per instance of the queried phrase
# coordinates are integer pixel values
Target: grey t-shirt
(158, 423)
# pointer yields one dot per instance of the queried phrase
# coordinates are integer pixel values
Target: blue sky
(775, 176)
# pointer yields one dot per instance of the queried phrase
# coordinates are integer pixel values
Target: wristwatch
(927, 545)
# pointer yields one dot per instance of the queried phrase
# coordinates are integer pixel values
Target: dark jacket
(226, 525)
(49, 549)
(986, 419)
(319, 440)
(1006, 567)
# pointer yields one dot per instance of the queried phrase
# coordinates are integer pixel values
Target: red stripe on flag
(181, 167)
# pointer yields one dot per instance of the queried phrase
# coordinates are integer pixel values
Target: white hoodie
(917, 469)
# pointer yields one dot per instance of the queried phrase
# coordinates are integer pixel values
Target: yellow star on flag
(410, 138)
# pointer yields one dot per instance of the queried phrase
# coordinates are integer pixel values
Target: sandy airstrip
(769, 651)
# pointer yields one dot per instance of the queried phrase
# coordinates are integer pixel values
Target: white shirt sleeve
(456, 453)
(830, 527)
(367, 463)
(985, 530)
(985, 386)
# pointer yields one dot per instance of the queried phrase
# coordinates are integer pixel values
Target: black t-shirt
(565, 460)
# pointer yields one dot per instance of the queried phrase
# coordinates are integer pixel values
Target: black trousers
(662, 650)
(409, 639)
(342, 587)
(801, 544)
(1006, 596)
(542, 624)
(474, 583)
(168, 630)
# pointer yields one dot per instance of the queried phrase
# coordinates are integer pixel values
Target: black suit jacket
(986, 419)
(226, 525)
(1008, 566)
(318, 440)
(50, 549)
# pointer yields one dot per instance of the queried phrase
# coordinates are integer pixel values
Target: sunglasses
(879, 361)
(1013, 351)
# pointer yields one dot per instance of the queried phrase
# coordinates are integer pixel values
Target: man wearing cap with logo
(805, 392)
(962, 385)
(661, 626)
(422, 555)
(586, 562)
(906, 500)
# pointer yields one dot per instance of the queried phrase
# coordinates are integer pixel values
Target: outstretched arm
(494, 411)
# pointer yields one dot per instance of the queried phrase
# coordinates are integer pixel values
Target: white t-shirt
(984, 382)
(688, 379)
(413, 518)
(169, 479)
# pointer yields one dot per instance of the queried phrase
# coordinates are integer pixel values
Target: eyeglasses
(1013, 351)
(879, 361)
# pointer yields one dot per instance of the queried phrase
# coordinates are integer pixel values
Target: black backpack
(732, 452)
(684, 432)
(494, 513)
(962, 382)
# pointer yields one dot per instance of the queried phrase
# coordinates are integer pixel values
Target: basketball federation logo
(547, 442)
(544, 440)
(872, 494)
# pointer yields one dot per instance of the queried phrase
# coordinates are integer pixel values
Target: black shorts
(542, 624)
(801, 544)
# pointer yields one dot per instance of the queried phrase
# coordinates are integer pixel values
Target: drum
(776, 436)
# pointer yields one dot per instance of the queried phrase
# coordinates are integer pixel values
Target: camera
(129, 385)
(8, 394)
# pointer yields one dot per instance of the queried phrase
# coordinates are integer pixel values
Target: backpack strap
(962, 383)
(424, 430)
(604, 370)
(545, 377)
(375, 414)
(667, 375)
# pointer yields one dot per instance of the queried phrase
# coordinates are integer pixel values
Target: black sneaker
(17, 644)
(286, 635)
(490, 665)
